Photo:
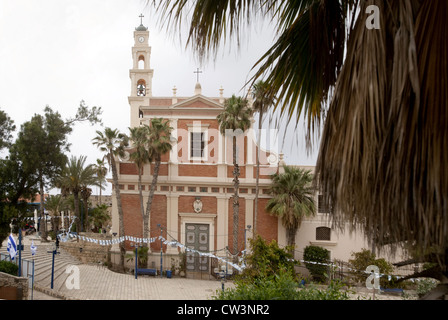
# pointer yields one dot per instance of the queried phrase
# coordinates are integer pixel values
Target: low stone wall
(88, 252)
(13, 288)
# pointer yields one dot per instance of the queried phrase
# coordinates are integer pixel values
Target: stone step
(43, 264)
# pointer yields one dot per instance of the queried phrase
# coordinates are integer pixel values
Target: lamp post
(161, 249)
(222, 275)
(54, 252)
(137, 245)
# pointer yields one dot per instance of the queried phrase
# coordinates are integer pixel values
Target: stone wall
(13, 288)
(88, 252)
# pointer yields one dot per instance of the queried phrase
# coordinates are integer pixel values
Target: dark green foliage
(270, 275)
(6, 128)
(9, 267)
(283, 287)
(6, 214)
(34, 159)
(361, 260)
(321, 256)
(266, 260)
(98, 216)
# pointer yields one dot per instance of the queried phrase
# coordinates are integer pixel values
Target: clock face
(141, 39)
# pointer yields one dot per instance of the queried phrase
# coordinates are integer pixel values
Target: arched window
(141, 62)
(141, 88)
(323, 233)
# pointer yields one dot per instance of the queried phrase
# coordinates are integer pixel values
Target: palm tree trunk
(236, 205)
(86, 215)
(101, 185)
(77, 215)
(257, 182)
(142, 208)
(291, 236)
(120, 209)
(151, 193)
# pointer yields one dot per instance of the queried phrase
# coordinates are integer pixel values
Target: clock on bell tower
(141, 73)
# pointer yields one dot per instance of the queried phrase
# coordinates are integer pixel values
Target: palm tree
(74, 177)
(85, 193)
(113, 143)
(159, 143)
(235, 117)
(262, 103)
(140, 156)
(54, 204)
(101, 172)
(99, 217)
(380, 94)
(292, 199)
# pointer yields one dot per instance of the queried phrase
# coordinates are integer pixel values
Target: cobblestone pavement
(97, 283)
(100, 283)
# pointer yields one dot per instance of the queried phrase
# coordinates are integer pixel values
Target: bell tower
(141, 73)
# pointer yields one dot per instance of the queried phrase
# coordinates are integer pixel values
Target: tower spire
(141, 27)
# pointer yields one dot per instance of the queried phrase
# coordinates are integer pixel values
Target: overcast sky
(59, 52)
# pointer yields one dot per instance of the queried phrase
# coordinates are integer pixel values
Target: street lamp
(137, 245)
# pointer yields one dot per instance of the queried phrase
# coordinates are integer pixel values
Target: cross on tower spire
(141, 18)
(197, 73)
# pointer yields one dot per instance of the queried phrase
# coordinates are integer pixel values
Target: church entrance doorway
(197, 238)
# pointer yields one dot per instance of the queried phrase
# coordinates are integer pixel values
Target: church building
(193, 202)
(194, 194)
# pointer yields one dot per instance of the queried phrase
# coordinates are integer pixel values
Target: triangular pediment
(197, 102)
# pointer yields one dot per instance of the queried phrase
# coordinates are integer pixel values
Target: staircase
(43, 261)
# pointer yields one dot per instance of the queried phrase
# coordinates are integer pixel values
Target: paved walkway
(100, 283)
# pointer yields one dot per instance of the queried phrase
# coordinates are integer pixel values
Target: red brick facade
(186, 177)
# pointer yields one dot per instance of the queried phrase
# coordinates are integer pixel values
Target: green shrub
(319, 255)
(9, 267)
(425, 285)
(267, 260)
(270, 275)
(281, 287)
(361, 260)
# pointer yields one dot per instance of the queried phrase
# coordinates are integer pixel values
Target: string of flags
(172, 243)
(12, 250)
(377, 275)
(207, 254)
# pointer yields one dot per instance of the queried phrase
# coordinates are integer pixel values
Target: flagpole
(33, 249)
(32, 282)
(20, 252)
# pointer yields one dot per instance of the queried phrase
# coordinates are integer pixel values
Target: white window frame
(198, 128)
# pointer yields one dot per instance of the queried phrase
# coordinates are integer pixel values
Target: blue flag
(12, 247)
(33, 248)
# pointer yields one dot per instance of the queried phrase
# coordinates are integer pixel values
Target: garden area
(271, 273)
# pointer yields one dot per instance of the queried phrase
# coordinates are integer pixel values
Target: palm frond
(385, 169)
(212, 23)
